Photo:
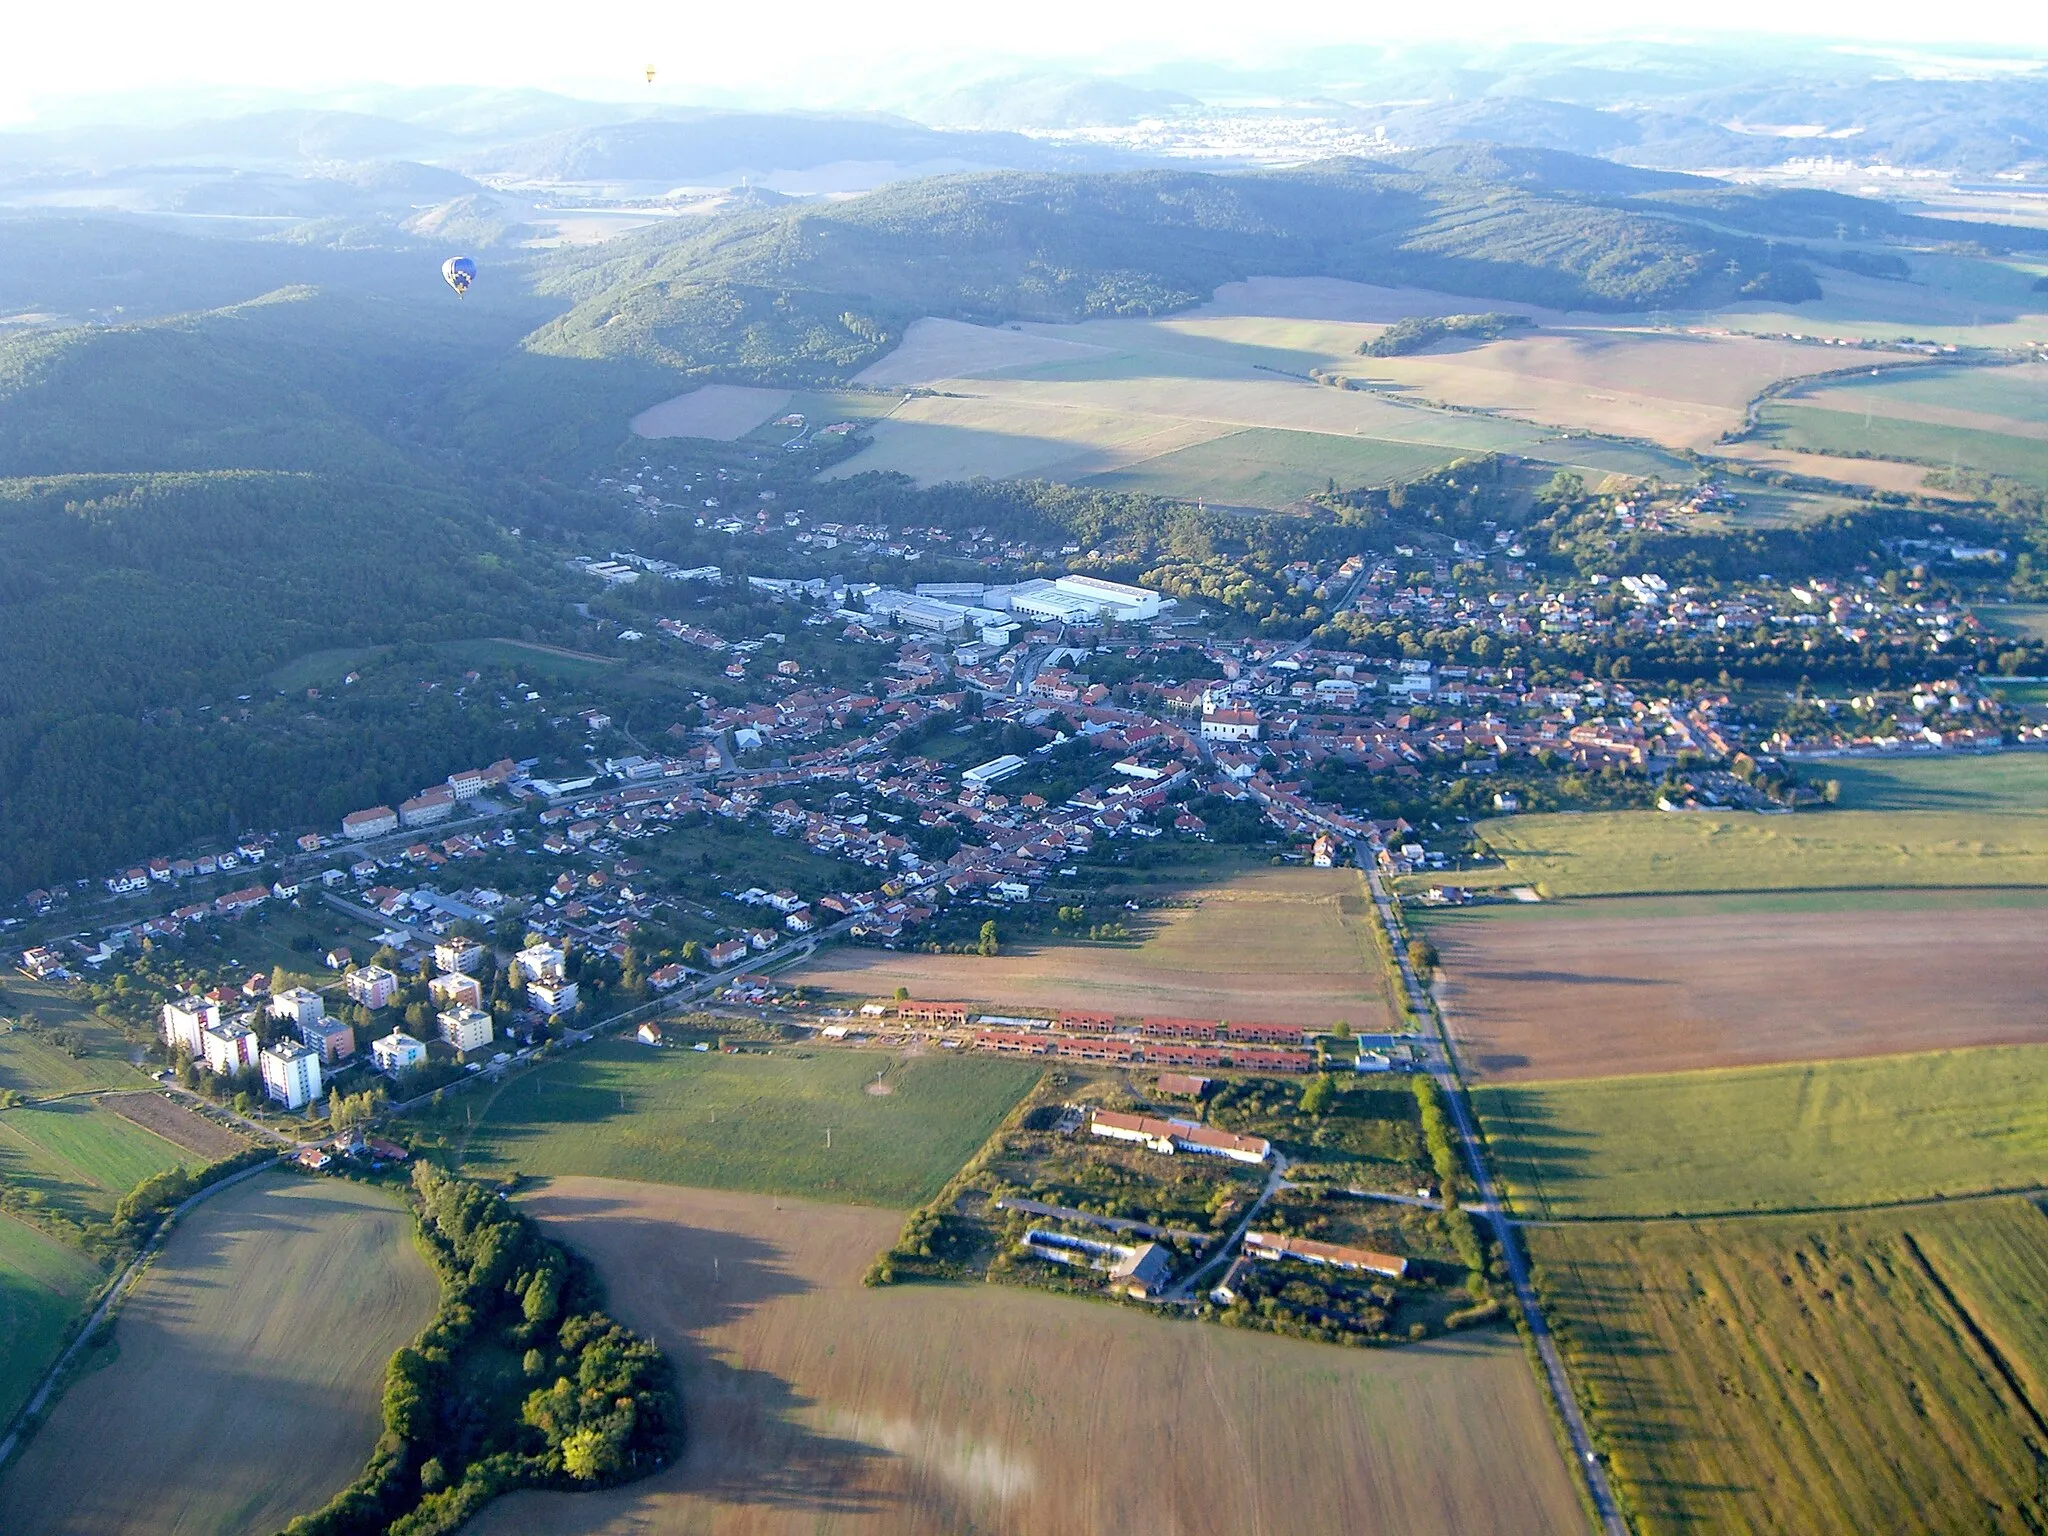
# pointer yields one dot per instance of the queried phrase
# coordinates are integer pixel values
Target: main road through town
(1443, 1066)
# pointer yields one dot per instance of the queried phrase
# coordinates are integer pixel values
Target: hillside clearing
(721, 412)
(918, 1410)
(1811, 1136)
(249, 1374)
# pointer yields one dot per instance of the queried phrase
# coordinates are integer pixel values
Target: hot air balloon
(650, 74)
(458, 272)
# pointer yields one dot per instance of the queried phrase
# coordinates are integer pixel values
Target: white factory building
(947, 608)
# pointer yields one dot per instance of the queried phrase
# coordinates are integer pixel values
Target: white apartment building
(464, 955)
(551, 995)
(186, 1022)
(540, 960)
(291, 1073)
(466, 1028)
(372, 986)
(300, 1005)
(230, 1048)
(397, 1052)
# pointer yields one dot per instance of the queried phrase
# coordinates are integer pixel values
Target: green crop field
(42, 1286)
(1808, 1136)
(745, 1122)
(1627, 853)
(2022, 621)
(1940, 444)
(2003, 781)
(1798, 1374)
(33, 1064)
(79, 1158)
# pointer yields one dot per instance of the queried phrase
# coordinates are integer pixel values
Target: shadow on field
(677, 1282)
(1573, 979)
(1540, 1158)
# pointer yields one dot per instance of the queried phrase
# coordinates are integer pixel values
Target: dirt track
(1631, 986)
(817, 1405)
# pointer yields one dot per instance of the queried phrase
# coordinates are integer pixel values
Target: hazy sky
(791, 48)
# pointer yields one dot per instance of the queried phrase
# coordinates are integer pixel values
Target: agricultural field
(2001, 781)
(2022, 621)
(1625, 853)
(1806, 1136)
(204, 1138)
(43, 1286)
(267, 1322)
(41, 1028)
(1647, 984)
(721, 412)
(1270, 467)
(79, 1158)
(1798, 1374)
(1282, 946)
(899, 1127)
(2019, 455)
(819, 1404)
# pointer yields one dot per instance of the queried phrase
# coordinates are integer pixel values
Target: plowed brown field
(1651, 985)
(176, 1124)
(817, 1405)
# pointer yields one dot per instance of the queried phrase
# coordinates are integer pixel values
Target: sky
(798, 50)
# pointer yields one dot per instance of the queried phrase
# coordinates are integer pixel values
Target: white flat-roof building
(291, 1073)
(186, 1022)
(230, 1048)
(1112, 598)
(458, 954)
(553, 995)
(992, 772)
(397, 1052)
(372, 986)
(538, 960)
(465, 1028)
(298, 1005)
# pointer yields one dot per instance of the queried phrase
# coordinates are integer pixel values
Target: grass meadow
(1805, 1136)
(1940, 444)
(43, 1284)
(79, 1158)
(2000, 781)
(1625, 853)
(899, 1127)
(1797, 1374)
(249, 1374)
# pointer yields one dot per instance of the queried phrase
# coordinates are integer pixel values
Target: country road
(1443, 1066)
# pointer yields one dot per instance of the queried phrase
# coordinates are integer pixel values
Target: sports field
(795, 1122)
(1794, 1375)
(1617, 853)
(43, 1285)
(1283, 946)
(80, 1158)
(1807, 1136)
(1647, 984)
(817, 1405)
(250, 1371)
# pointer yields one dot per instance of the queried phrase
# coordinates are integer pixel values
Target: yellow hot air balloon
(650, 74)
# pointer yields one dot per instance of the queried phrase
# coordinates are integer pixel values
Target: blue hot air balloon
(459, 272)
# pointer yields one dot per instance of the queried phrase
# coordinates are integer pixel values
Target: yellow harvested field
(250, 1372)
(815, 1404)
(1681, 390)
(722, 412)
(1878, 474)
(932, 350)
(1285, 946)
(1334, 299)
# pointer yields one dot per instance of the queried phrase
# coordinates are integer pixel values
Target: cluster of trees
(590, 1405)
(1416, 333)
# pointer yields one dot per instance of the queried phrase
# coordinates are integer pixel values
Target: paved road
(1190, 1288)
(1444, 1068)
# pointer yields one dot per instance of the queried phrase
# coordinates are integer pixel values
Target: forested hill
(813, 292)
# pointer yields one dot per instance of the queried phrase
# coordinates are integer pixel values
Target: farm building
(1139, 1271)
(1182, 1085)
(1175, 1135)
(1278, 1245)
